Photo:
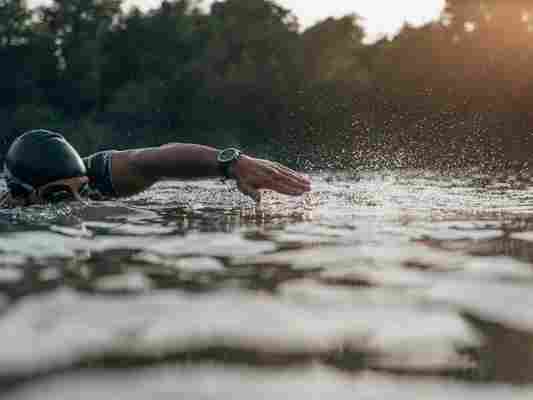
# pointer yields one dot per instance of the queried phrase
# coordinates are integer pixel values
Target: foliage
(455, 91)
(334, 50)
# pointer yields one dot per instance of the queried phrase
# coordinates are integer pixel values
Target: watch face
(228, 155)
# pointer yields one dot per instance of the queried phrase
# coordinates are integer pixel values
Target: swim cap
(39, 157)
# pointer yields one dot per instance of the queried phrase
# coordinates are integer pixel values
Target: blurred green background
(456, 92)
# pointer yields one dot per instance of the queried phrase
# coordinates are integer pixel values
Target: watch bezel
(228, 155)
(226, 158)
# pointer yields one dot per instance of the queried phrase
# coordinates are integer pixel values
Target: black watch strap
(226, 159)
(225, 170)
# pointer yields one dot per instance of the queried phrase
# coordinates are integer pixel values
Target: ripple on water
(503, 313)
(45, 332)
(188, 264)
(220, 382)
(39, 245)
(133, 281)
(369, 275)
(211, 244)
(11, 275)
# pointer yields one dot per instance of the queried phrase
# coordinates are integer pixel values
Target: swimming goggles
(64, 190)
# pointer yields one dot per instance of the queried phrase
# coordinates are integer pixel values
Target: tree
(333, 49)
(254, 41)
(251, 66)
(494, 39)
(28, 65)
(80, 28)
(14, 35)
(154, 45)
(490, 17)
(14, 22)
(149, 76)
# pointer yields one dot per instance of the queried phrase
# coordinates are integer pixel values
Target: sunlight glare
(379, 17)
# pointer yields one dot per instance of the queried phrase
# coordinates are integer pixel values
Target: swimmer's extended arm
(135, 170)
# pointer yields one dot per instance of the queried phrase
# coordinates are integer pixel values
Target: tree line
(455, 92)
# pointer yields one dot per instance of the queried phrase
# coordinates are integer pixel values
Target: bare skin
(7, 200)
(135, 170)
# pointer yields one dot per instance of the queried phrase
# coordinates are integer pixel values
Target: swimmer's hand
(254, 174)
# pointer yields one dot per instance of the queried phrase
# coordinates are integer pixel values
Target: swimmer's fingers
(264, 174)
(281, 184)
(280, 187)
(296, 176)
(289, 181)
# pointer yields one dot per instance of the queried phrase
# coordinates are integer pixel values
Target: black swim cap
(39, 157)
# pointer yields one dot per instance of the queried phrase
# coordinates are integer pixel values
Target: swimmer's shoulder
(99, 171)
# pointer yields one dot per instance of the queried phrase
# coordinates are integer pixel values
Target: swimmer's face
(61, 190)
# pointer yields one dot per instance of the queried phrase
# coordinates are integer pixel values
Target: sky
(380, 17)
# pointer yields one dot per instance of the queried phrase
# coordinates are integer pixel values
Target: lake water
(408, 284)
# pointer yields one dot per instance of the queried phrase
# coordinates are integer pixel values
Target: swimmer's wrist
(240, 167)
(227, 160)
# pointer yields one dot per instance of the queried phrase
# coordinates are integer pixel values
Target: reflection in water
(411, 273)
(230, 383)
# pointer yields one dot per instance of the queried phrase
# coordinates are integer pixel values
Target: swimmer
(41, 166)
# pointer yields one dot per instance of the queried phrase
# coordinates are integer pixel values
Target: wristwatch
(226, 159)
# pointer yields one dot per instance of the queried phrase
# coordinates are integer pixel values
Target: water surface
(414, 283)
